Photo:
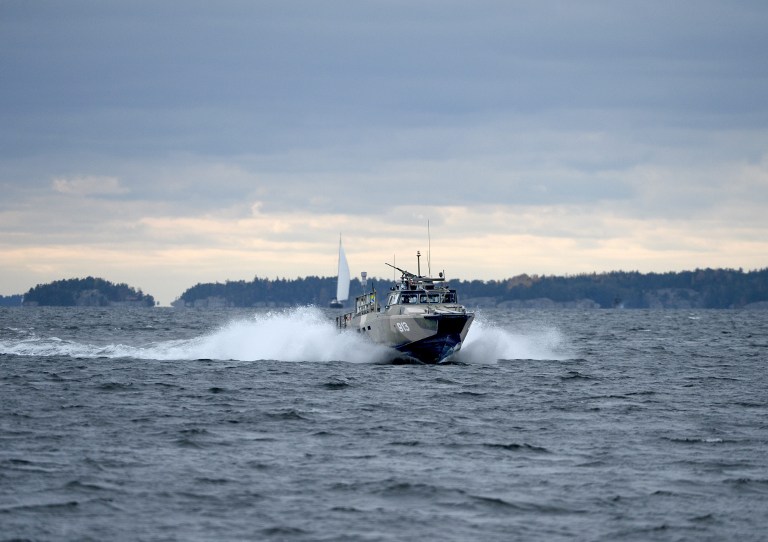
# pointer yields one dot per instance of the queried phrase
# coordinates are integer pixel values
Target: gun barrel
(403, 271)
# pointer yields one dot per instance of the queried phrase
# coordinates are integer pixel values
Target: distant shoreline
(697, 289)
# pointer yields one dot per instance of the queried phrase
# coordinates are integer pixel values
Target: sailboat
(342, 282)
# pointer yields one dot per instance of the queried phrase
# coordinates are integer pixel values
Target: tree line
(704, 288)
(89, 291)
(701, 288)
(310, 290)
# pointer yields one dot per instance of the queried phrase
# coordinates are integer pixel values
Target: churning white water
(297, 334)
(487, 342)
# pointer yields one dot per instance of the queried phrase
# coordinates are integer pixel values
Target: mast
(429, 251)
(338, 257)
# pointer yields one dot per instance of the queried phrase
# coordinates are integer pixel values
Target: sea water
(162, 424)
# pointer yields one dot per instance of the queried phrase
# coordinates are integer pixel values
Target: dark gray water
(186, 425)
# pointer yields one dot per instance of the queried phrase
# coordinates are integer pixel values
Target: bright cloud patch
(89, 186)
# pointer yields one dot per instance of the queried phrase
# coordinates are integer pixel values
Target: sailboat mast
(338, 257)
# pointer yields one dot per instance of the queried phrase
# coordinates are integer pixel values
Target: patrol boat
(422, 319)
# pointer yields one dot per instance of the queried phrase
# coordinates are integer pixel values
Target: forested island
(701, 288)
(87, 292)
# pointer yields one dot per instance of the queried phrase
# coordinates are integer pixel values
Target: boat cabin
(414, 297)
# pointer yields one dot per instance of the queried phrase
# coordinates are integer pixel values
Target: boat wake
(488, 343)
(302, 334)
(298, 334)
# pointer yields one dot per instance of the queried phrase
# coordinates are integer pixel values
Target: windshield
(410, 298)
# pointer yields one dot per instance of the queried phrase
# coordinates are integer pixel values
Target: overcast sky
(168, 143)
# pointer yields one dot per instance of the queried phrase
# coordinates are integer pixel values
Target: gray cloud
(239, 77)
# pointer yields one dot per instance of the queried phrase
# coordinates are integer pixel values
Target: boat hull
(426, 338)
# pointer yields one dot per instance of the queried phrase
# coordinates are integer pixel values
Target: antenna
(429, 251)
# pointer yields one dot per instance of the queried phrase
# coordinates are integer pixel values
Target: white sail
(342, 286)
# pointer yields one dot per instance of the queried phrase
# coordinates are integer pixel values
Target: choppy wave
(622, 441)
(299, 334)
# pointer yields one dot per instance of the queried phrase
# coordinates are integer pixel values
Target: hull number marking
(402, 327)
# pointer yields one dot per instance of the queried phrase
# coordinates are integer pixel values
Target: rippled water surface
(183, 425)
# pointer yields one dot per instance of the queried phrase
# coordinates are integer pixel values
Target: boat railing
(344, 320)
